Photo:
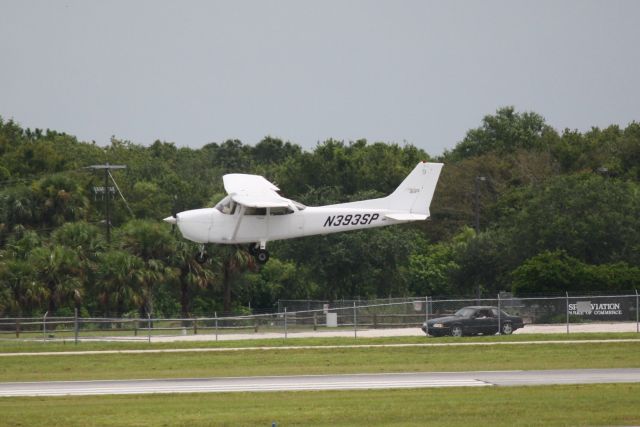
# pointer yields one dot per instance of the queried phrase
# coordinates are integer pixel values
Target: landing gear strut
(259, 252)
(202, 256)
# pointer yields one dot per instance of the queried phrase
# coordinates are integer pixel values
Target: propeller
(173, 219)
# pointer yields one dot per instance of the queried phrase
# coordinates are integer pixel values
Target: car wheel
(456, 331)
(507, 329)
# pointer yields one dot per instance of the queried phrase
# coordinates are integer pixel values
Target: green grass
(13, 346)
(602, 404)
(606, 404)
(320, 361)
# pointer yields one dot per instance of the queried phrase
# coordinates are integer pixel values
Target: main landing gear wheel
(262, 256)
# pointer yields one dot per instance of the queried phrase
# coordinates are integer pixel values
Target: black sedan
(473, 320)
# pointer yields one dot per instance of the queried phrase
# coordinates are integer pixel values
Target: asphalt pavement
(322, 382)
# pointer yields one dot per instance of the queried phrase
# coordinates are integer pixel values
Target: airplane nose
(171, 220)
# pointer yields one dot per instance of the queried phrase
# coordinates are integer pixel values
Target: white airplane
(253, 212)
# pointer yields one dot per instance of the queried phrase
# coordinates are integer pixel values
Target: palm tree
(88, 243)
(20, 294)
(58, 269)
(233, 259)
(85, 238)
(153, 244)
(59, 199)
(118, 282)
(192, 274)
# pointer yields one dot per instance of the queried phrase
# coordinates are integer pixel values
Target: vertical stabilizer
(416, 191)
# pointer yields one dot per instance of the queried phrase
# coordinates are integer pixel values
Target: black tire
(201, 258)
(262, 256)
(456, 331)
(507, 328)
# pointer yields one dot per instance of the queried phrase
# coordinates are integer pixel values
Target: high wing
(253, 191)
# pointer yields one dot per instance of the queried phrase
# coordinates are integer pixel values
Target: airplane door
(284, 223)
(254, 224)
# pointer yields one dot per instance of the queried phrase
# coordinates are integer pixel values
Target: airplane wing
(253, 191)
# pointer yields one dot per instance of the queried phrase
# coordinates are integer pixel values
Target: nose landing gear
(202, 256)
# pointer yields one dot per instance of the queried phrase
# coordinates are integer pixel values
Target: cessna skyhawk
(253, 212)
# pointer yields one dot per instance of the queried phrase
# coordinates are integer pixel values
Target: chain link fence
(312, 316)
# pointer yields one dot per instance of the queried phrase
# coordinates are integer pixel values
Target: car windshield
(465, 312)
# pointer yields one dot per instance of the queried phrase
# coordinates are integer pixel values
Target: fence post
(355, 322)
(75, 325)
(426, 315)
(567, 312)
(195, 326)
(499, 315)
(285, 323)
(315, 321)
(216, 316)
(18, 327)
(44, 327)
(637, 314)
(149, 327)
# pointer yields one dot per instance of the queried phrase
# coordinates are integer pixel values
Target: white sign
(594, 309)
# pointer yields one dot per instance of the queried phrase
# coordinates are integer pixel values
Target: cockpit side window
(281, 211)
(255, 211)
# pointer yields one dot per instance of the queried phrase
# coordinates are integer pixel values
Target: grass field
(12, 345)
(609, 404)
(320, 361)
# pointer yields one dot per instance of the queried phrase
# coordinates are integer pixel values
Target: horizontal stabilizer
(407, 216)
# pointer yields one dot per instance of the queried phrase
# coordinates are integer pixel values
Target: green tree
(504, 132)
(20, 294)
(192, 275)
(232, 260)
(151, 241)
(118, 280)
(57, 269)
(589, 216)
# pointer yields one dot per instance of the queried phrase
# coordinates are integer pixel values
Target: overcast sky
(424, 72)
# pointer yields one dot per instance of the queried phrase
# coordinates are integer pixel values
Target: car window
(502, 313)
(465, 312)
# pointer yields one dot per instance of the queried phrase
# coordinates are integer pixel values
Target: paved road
(322, 382)
(394, 332)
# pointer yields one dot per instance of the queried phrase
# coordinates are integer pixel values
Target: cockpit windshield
(226, 206)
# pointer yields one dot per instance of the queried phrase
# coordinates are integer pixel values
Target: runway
(322, 382)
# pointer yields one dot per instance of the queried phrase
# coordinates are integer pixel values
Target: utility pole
(107, 168)
(476, 192)
(476, 224)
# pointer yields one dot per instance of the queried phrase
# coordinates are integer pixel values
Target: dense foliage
(557, 211)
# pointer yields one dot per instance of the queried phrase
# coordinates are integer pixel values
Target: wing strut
(238, 222)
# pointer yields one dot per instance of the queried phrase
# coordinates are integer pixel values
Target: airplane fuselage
(212, 226)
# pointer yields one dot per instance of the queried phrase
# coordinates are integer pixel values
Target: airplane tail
(412, 197)
(415, 193)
